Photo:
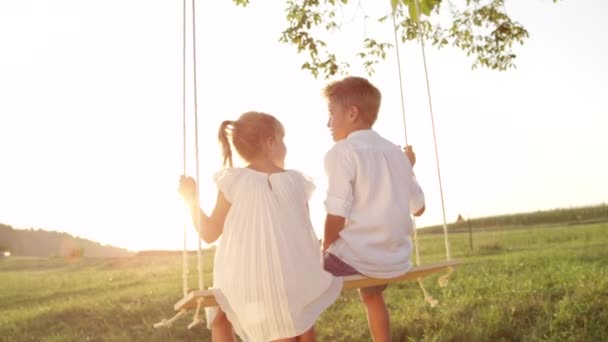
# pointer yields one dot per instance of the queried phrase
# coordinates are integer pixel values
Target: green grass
(538, 284)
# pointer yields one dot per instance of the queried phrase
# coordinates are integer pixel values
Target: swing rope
(416, 250)
(428, 92)
(197, 319)
(427, 298)
(201, 282)
(443, 279)
(185, 251)
(205, 298)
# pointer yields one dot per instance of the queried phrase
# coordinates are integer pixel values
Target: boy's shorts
(339, 268)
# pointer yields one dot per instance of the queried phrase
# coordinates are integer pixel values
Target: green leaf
(426, 6)
(394, 4)
(412, 10)
(243, 3)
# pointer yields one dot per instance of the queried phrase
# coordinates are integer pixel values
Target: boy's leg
(221, 328)
(378, 318)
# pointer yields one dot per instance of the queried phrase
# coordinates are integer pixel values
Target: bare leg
(378, 317)
(290, 339)
(221, 328)
(308, 336)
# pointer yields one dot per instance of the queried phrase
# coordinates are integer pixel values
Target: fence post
(470, 234)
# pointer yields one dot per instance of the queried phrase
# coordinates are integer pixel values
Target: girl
(268, 274)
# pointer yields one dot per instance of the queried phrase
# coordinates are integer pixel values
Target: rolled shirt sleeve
(340, 170)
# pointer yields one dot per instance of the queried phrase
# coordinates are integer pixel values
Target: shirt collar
(361, 133)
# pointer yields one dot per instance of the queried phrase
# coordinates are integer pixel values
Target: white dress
(268, 271)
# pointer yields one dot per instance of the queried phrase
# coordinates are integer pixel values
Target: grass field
(538, 284)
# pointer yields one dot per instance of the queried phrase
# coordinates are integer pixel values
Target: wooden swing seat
(207, 299)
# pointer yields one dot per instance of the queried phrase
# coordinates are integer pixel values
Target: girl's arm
(210, 227)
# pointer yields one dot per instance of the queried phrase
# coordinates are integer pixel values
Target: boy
(371, 192)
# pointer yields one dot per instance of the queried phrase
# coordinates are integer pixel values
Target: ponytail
(223, 138)
(246, 135)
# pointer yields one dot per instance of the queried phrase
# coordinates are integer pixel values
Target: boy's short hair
(358, 92)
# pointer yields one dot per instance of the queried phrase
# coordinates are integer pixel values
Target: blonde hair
(247, 135)
(358, 92)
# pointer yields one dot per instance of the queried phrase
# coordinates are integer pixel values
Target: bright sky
(91, 112)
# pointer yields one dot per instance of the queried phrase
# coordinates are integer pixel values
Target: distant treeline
(168, 252)
(42, 243)
(577, 215)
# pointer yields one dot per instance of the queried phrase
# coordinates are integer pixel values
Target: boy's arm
(417, 205)
(340, 170)
(420, 212)
(417, 202)
(409, 153)
(333, 226)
